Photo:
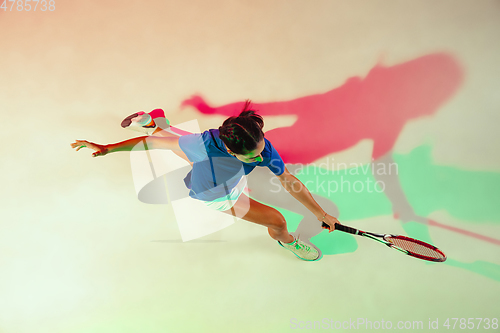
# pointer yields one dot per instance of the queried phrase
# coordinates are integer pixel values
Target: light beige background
(79, 253)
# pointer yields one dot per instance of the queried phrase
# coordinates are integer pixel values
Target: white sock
(144, 120)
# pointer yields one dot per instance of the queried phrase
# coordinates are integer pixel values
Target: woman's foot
(302, 250)
(146, 122)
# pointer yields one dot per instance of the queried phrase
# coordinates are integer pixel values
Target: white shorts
(228, 201)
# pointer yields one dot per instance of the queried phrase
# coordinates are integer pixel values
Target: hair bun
(249, 113)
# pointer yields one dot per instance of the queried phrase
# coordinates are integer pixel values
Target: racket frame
(382, 239)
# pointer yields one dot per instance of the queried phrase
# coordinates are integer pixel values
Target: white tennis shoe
(302, 250)
(146, 122)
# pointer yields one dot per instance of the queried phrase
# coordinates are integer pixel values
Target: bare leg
(263, 215)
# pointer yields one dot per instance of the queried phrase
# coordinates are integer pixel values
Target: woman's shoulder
(209, 132)
(200, 138)
(269, 146)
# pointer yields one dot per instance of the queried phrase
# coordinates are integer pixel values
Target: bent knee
(277, 220)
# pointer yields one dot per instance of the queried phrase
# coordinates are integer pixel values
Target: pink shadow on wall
(375, 107)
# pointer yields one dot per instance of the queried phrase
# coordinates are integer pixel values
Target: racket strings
(416, 247)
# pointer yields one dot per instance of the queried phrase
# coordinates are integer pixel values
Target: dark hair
(241, 134)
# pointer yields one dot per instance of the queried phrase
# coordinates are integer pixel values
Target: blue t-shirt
(215, 172)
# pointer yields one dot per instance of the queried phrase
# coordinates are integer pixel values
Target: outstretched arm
(149, 142)
(300, 192)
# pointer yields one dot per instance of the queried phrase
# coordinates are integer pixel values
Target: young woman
(220, 159)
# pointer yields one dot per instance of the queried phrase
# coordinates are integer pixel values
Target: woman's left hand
(330, 221)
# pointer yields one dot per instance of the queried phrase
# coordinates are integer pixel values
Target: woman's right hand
(99, 150)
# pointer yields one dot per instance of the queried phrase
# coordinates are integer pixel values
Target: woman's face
(253, 156)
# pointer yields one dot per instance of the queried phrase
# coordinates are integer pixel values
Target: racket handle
(342, 227)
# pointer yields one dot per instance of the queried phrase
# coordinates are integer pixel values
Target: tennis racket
(407, 245)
